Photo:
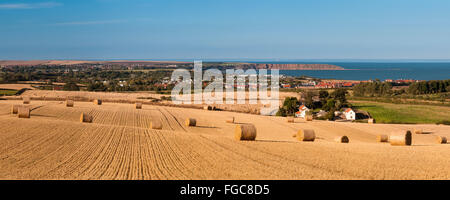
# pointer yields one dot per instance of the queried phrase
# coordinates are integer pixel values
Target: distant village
(167, 82)
(330, 84)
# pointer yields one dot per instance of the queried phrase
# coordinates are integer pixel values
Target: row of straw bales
(404, 138)
(396, 139)
(87, 118)
(292, 119)
(232, 108)
(243, 131)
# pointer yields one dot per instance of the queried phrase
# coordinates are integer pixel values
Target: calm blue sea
(382, 71)
(365, 70)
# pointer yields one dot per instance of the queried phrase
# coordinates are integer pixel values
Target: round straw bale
(23, 112)
(371, 121)
(255, 111)
(441, 140)
(138, 105)
(306, 135)
(191, 122)
(97, 102)
(245, 132)
(342, 139)
(86, 118)
(382, 138)
(258, 111)
(401, 139)
(15, 109)
(69, 103)
(26, 100)
(290, 120)
(156, 124)
(230, 120)
(309, 117)
(418, 131)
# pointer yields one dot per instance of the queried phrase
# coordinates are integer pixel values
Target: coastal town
(328, 84)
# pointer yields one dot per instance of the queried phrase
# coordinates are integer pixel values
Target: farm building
(301, 113)
(350, 114)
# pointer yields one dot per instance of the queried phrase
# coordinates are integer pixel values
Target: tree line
(429, 87)
(379, 89)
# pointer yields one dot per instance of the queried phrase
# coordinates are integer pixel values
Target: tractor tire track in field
(174, 120)
(165, 119)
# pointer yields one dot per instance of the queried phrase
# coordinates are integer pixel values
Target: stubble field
(119, 144)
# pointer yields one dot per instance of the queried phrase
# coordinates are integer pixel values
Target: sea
(376, 70)
(415, 69)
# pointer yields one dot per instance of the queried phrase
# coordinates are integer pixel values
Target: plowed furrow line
(185, 153)
(41, 158)
(124, 158)
(135, 166)
(110, 167)
(280, 163)
(104, 162)
(149, 152)
(16, 137)
(160, 157)
(82, 155)
(98, 149)
(85, 153)
(143, 158)
(70, 150)
(192, 152)
(62, 139)
(138, 119)
(31, 148)
(173, 157)
(268, 161)
(236, 156)
(145, 120)
(215, 160)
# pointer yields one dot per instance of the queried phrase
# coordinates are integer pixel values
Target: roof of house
(302, 108)
(348, 110)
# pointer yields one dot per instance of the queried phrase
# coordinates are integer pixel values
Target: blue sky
(225, 29)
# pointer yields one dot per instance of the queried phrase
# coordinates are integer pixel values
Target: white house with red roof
(350, 114)
(301, 113)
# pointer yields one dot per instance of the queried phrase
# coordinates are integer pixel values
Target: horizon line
(248, 59)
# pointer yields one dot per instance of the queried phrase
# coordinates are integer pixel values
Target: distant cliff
(298, 66)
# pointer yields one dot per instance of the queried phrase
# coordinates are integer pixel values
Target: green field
(404, 113)
(4, 92)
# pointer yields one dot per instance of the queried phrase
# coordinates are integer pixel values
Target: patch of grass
(4, 92)
(404, 113)
(444, 122)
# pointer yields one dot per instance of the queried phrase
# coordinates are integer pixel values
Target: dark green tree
(71, 86)
(291, 105)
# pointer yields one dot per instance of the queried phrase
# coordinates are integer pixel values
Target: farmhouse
(350, 114)
(301, 113)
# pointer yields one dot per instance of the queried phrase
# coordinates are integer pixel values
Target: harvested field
(16, 86)
(119, 144)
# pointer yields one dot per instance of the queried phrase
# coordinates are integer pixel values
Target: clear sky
(225, 29)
